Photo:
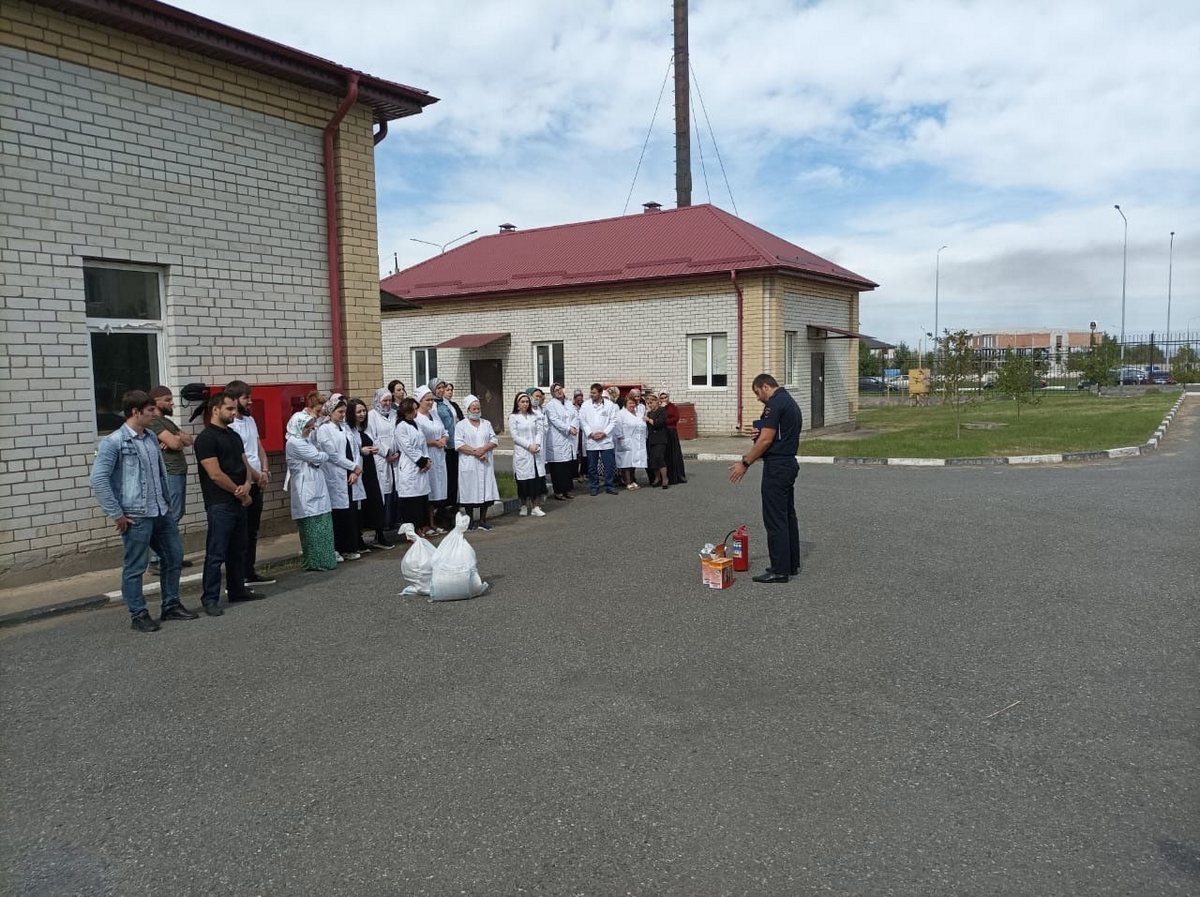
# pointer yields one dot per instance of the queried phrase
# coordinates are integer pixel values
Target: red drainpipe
(740, 303)
(331, 231)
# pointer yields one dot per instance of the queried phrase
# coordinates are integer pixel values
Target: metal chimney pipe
(683, 133)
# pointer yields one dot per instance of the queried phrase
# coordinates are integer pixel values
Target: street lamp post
(442, 246)
(1124, 268)
(937, 282)
(1170, 265)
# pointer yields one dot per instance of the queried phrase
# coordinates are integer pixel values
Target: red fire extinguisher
(741, 549)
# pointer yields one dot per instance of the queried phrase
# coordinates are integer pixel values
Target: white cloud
(869, 132)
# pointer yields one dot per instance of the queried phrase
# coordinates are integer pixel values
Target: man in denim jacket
(130, 482)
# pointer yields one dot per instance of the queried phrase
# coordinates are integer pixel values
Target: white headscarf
(380, 394)
(422, 392)
(469, 401)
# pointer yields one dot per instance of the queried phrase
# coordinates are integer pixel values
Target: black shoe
(186, 563)
(558, 497)
(612, 491)
(257, 579)
(143, 622)
(248, 595)
(383, 543)
(211, 608)
(177, 612)
(569, 496)
(665, 486)
(796, 572)
(769, 577)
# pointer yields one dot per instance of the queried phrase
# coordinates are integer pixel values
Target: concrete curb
(1129, 451)
(29, 614)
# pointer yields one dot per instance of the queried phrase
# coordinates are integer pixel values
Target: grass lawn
(1060, 422)
(506, 483)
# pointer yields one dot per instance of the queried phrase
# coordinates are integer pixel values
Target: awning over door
(472, 341)
(815, 332)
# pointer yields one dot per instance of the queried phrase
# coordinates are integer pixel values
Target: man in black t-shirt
(225, 484)
(777, 443)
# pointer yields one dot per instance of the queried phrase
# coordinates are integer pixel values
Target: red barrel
(687, 420)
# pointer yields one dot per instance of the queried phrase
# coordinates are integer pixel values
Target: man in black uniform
(777, 443)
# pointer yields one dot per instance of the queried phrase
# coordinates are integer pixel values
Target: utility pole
(683, 133)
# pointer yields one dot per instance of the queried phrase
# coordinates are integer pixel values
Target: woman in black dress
(656, 440)
(370, 509)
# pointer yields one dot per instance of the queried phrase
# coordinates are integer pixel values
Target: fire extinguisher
(741, 548)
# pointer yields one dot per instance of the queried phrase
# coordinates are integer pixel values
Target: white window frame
(791, 338)
(426, 353)
(157, 328)
(554, 353)
(708, 338)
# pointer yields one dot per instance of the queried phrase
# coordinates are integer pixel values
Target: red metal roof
(472, 341)
(671, 243)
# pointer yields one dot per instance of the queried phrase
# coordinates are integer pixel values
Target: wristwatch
(745, 463)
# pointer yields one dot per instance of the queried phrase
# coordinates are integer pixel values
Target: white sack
(417, 565)
(455, 575)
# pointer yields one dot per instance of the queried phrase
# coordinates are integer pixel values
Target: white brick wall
(622, 341)
(229, 203)
(819, 307)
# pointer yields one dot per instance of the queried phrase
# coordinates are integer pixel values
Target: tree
(1185, 365)
(956, 365)
(868, 364)
(903, 357)
(1144, 353)
(1015, 379)
(1102, 358)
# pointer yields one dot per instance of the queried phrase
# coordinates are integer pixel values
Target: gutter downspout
(741, 301)
(331, 231)
(381, 133)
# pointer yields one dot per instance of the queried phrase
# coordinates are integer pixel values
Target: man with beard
(260, 474)
(171, 441)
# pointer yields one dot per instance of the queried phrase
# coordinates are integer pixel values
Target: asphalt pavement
(983, 683)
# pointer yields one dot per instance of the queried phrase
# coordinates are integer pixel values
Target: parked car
(1162, 378)
(898, 382)
(870, 384)
(1128, 376)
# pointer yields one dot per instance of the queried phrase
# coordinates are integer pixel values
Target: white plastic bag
(455, 575)
(417, 565)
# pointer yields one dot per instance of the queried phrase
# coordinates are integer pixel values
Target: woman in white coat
(381, 428)
(412, 474)
(342, 469)
(308, 494)
(631, 442)
(475, 440)
(433, 431)
(528, 431)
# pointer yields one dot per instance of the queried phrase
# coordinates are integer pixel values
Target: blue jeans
(161, 534)
(609, 458)
(226, 545)
(176, 499)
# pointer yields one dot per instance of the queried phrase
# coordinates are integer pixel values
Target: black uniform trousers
(779, 513)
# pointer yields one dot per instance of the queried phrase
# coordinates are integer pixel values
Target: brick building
(169, 184)
(1051, 345)
(692, 299)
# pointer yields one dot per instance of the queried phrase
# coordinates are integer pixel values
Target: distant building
(1050, 345)
(694, 300)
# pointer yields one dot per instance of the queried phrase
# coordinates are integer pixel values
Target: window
(424, 366)
(124, 306)
(548, 365)
(706, 359)
(789, 356)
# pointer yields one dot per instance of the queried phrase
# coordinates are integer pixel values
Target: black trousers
(562, 475)
(253, 520)
(779, 514)
(346, 535)
(226, 546)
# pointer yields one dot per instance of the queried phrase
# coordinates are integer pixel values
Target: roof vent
(507, 228)
(649, 208)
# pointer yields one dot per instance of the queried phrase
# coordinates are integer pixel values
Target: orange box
(716, 573)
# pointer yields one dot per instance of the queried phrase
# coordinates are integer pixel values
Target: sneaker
(524, 512)
(248, 595)
(351, 556)
(537, 512)
(569, 496)
(143, 622)
(487, 527)
(472, 526)
(383, 544)
(257, 579)
(612, 491)
(633, 486)
(212, 609)
(339, 557)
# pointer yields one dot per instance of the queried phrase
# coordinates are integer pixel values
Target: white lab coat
(561, 444)
(382, 431)
(332, 440)
(411, 482)
(307, 491)
(631, 442)
(595, 418)
(528, 430)
(476, 477)
(432, 428)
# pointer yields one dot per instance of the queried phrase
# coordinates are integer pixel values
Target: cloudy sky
(871, 133)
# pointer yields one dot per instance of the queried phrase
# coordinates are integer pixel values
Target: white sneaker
(524, 512)
(339, 557)
(352, 556)
(537, 512)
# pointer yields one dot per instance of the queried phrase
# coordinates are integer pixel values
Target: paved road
(985, 682)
